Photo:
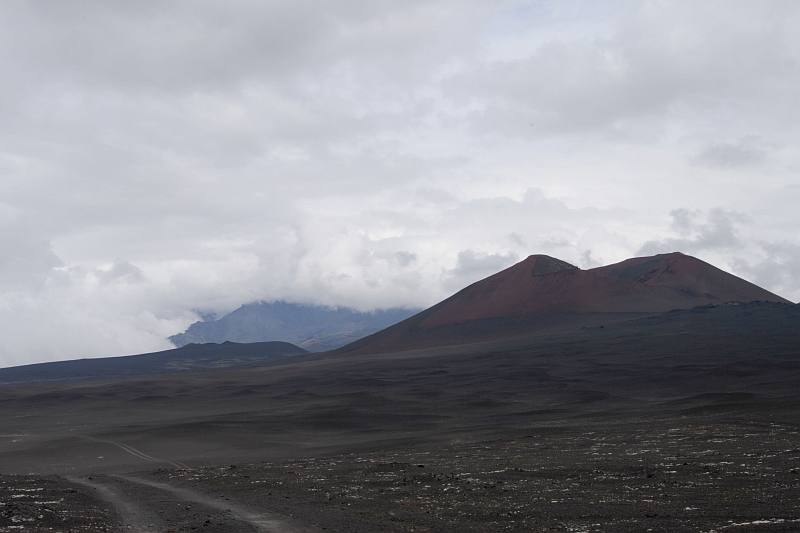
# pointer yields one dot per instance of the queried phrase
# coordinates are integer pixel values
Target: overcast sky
(163, 158)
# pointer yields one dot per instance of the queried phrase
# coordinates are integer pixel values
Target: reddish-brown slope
(542, 284)
(542, 287)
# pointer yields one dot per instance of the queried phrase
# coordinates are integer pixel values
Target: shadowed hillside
(189, 357)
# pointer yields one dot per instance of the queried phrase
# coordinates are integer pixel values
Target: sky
(159, 160)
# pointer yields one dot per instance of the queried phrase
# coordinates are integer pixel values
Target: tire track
(132, 517)
(130, 450)
(261, 521)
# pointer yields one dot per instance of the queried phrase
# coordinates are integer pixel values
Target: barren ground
(687, 422)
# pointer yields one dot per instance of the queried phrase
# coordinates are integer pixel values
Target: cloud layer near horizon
(163, 159)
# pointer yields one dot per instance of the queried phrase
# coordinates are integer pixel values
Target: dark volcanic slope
(189, 357)
(542, 291)
(679, 421)
(734, 357)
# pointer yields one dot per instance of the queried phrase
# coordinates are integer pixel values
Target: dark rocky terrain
(314, 328)
(710, 474)
(50, 503)
(685, 420)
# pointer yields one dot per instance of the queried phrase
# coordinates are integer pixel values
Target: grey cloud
(588, 260)
(472, 265)
(405, 259)
(725, 238)
(121, 272)
(718, 230)
(517, 239)
(26, 260)
(203, 45)
(776, 266)
(748, 151)
(635, 69)
(683, 220)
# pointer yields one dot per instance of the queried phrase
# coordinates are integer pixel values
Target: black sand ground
(50, 503)
(686, 421)
(671, 476)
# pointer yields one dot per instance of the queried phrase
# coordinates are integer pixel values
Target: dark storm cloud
(162, 158)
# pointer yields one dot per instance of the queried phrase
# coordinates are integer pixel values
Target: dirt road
(148, 506)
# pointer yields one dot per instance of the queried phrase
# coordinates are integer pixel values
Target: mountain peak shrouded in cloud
(544, 290)
(312, 327)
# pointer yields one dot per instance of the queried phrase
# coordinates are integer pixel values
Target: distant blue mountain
(314, 328)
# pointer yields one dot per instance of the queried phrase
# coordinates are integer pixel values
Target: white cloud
(159, 159)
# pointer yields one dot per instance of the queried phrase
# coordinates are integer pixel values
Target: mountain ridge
(542, 291)
(641, 284)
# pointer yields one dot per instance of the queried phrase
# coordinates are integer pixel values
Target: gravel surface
(37, 504)
(663, 476)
